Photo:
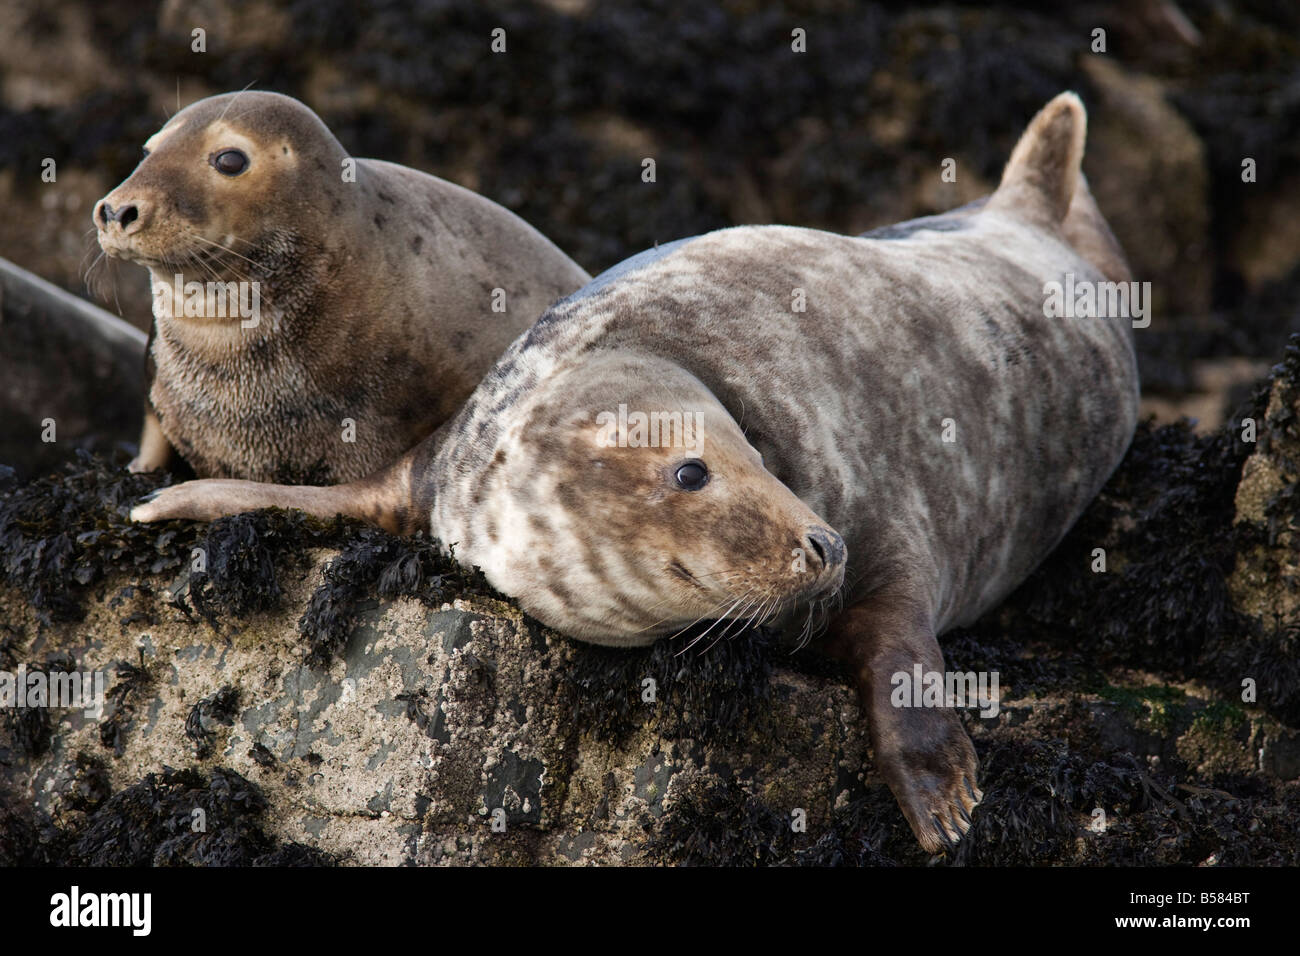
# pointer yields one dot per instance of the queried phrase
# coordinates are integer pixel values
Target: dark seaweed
(60, 535)
(374, 563)
(723, 687)
(154, 823)
(221, 707)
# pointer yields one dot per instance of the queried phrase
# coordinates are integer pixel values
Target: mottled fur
(376, 295)
(833, 417)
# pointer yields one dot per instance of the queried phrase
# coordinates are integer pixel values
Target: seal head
(209, 178)
(644, 510)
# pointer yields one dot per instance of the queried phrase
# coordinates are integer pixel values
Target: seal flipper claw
(959, 825)
(943, 832)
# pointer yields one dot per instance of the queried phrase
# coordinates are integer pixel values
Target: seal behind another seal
(383, 294)
(817, 466)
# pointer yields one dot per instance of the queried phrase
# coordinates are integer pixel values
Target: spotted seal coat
(383, 294)
(823, 474)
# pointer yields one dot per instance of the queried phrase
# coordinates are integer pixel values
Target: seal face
(315, 314)
(895, 420)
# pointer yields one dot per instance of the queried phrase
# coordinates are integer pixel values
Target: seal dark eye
(230, 162)
(691, 475)
(145, 149)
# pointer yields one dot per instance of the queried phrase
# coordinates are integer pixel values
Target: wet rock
(1139, 145)
(1266, 582)
(435, 736)
(71, 375)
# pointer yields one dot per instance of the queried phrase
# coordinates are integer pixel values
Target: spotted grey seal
(315, 314)
(914, 442)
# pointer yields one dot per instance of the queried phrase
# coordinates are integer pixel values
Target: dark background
(847, 136)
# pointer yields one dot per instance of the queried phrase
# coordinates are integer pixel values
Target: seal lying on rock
(745, 425)
(314, 314)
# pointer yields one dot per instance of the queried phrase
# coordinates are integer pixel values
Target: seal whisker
(234, 99)
(107, 276)
(722, 634)
(223, 248)
(207, 268)
(711, 612)
(667, 599)
(759, 615)
(89, 270)
(717, 620)
(739, 618)
(215, 263)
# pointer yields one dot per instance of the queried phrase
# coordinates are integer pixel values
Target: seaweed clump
(30, 729)
(221, 708)
(177, 818)
(172, 818)
(721, 689)
(374, 563)
(63, 533)
(1045, 803)
(132, 681)
(1048, 803)
(722, 825)
(236, 562)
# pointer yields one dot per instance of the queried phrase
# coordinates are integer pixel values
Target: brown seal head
(315, 314)
(927, 403)
(691, 526)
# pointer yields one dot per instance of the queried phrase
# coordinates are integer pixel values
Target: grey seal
(315, 315)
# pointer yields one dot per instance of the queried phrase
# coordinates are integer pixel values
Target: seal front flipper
(396, 498)
(156, 452)
(923, 752)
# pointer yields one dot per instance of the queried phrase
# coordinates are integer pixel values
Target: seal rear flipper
(1086, 229)
(923, 752)
(1042, 174)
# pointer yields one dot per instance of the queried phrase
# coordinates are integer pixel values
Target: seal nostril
(828, 546)
(123, 217)
(817, 547)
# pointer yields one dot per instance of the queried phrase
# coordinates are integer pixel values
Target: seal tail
(1042, 174)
